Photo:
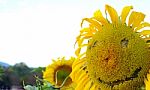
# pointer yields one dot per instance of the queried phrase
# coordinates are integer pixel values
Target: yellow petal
(82, 83)
(76, 68)
(142, 25)
(78, 74)
(125, 13)
(88, 85)
(80, 41)
(139, 19)
(84, 30)
(113, 14)
(147, 40)
(98, 16)
(147, 82)
(84, 45)
(82, 37)
(72, 74)
(145, 32)
(87, 34)
(93, 87)
(136, 18)
(131, 18)
(77, 52)
(82, 55)
(89, 30)
(78, 63)
(82, 75)
(78, 37)
(93, 22)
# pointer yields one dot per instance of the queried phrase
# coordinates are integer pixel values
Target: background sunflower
(58, 72)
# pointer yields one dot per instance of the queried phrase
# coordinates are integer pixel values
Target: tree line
(17, 74)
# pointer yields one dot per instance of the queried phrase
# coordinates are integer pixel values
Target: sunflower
(58, 72)
(117, 51)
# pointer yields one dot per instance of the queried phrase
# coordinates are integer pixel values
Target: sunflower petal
(84, 45)
(147, 40)
(93, 22)
(93, 87)
(84, 30)
(82, 55)
(135, 19)
(142, 25)
(74, 73)
(77, 52)
(80, 41)
(82, 37)
(88, 85)
(82, 82)
(147, 82)
(131, 18)
(139, 19)
(87, 34)
(78, 63)
(98, 16)
(125, 13)
(82, 75)
(145, 32)
(113, 14)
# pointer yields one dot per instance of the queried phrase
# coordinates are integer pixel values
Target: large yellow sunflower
(58, 72)
(117, 55)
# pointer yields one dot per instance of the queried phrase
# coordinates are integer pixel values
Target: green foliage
(1, 73)
(21, 69)
(39, 69)
(15, 75)
(29, 87)
(40, 86)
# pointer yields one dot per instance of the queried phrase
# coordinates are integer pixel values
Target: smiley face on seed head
(117, 56)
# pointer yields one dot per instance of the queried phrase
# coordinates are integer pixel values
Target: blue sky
(36, 31)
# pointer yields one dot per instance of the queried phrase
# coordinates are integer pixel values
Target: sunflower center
(115, 54)
(61, 74)
(117, 82)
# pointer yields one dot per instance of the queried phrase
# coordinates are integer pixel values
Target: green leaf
(29, 87)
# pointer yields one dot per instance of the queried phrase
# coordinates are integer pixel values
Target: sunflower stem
(64, 82)
(56, 81)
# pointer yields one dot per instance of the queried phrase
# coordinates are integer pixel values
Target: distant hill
(4, 64)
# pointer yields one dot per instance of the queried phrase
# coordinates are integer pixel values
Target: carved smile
(117, 82)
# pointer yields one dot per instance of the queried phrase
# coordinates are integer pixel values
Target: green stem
(56, 81)
(64, 82)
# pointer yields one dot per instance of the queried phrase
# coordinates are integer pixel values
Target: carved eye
(124, 43)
